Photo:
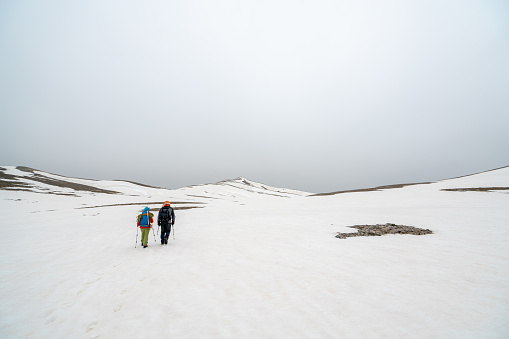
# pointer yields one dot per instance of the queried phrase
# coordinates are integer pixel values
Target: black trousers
(165, 230)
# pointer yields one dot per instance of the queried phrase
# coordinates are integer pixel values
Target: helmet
(166, 203)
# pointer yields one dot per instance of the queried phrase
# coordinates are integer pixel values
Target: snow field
(258, 266)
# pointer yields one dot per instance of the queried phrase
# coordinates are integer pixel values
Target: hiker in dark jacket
(165, 219)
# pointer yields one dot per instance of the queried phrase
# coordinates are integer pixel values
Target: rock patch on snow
(381, 229)
(476, 189)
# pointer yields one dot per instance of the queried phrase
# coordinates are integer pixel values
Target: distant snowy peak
(245, 181)
(242, 181)
(250, 186)
(232, 189)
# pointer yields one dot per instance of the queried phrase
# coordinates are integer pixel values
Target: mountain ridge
(23, 178)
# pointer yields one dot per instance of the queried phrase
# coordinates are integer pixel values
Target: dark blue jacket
(172, 216)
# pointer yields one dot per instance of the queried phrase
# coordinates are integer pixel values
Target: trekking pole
(173, 231)
(154, 233)
(136, 237)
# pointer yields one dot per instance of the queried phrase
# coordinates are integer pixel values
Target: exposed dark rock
(9, 181)
(381, 229)
(25, 169)
(476, 189)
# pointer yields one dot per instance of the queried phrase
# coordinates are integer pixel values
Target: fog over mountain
(316, 96)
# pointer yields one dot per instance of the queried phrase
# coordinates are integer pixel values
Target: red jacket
(142, 220)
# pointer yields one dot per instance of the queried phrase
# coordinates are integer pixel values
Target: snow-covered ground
(253, 261)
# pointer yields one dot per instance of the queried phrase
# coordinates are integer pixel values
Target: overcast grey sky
(312, 95)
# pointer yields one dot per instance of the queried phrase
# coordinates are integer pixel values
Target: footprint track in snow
(91, 326)
(86, 286)
(50, 320)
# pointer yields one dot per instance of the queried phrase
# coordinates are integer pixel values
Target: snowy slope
(253, 261)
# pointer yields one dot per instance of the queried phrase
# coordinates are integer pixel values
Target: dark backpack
(164, 214)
